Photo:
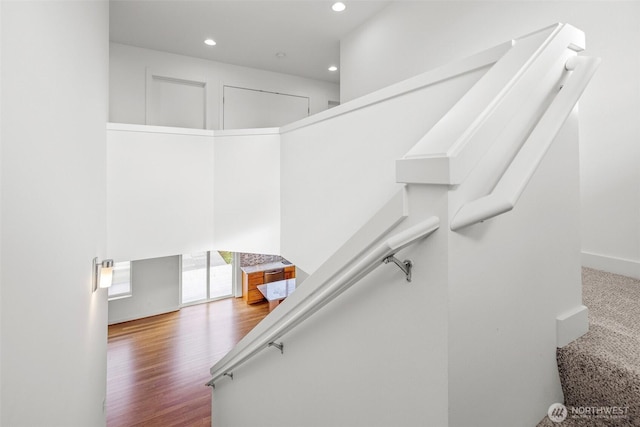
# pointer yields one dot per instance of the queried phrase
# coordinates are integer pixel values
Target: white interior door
(249, 108)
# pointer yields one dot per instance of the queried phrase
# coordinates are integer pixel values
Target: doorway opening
(207, 276)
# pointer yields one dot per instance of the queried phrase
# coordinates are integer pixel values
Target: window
(121, 283)
(206, 276)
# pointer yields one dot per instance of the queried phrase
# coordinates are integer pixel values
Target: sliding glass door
(206, 276)
(220, 274)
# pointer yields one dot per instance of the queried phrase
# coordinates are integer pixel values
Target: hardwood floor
(157, 366)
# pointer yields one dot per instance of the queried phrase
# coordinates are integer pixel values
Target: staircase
(601, 369)
(484, 205)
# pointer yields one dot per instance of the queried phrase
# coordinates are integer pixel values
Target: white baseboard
(624, 267)
(142, 316)
(571, 325)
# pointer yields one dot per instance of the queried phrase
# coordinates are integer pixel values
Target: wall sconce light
(102, 274)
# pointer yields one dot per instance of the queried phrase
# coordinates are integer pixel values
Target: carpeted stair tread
(607, 346)
(602, 368)
(614, 317)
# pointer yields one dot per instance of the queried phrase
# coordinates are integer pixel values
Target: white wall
(173, 191)
(411, 37)
(247, 192)
(54, 108)
(127, 76)
(155, 289)
(159, 193)
(337, 172)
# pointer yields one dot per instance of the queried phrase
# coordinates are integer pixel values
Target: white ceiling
(248, 33)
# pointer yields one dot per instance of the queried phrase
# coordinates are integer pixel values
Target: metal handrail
(506, 193)
(324, 294)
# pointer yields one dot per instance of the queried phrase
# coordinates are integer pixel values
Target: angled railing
(453, 147)
(518, 174)
(357, 268)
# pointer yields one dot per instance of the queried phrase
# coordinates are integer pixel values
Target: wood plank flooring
(157, 366)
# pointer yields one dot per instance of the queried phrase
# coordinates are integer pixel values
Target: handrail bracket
(279, 346)
(405, 265)
(212, 384)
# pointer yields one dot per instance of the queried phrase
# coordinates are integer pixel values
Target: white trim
(125, 127)
(572, 325)
(622, 266)
(120, 296)
(247, 132)
(158, 129)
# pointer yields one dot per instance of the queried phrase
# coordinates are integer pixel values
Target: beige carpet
(602, 368)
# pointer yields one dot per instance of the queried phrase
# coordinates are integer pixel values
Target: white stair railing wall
(471, 340)
(339, 168)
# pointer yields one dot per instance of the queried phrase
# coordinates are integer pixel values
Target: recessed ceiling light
(280, 55)
(333, 68)
(338, 6)
(210, 42)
